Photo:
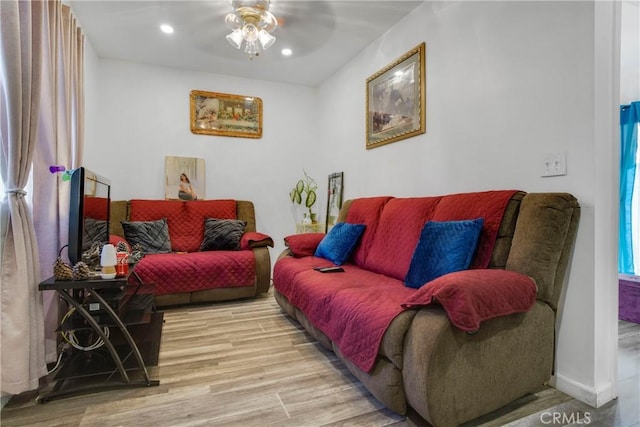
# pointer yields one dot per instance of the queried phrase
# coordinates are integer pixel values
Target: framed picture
(334, 199)
(226, 115)
(184, 178)
(396, 100)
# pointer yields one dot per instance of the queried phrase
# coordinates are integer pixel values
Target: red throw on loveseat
(184, 270)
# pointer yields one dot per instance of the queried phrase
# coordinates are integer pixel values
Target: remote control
(329, 269)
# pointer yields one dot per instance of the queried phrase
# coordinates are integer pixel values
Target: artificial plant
(305, 190)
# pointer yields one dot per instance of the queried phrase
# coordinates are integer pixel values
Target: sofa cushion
(397, 234)
(185, 219)
(338, 244)
(444, 247)
(472, 296)
(365, 211)
(196, 271)
(488, 205)
(222, 234)
(153, 236)
(354, 308)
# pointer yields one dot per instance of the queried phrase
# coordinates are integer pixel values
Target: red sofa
(187, 274)
(462, 344)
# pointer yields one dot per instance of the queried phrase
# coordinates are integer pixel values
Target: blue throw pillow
(338, 244)
(444, 247)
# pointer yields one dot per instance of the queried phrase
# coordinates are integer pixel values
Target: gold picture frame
(224, 114)
(396, 100)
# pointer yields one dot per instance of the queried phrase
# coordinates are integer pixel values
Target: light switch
(554, 164)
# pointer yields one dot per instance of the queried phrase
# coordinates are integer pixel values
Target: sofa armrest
(304, 244)
(263, 269)
(471, 297)
(253, 239)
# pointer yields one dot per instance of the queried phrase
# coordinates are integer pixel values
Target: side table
(310, 228)
(94, 306)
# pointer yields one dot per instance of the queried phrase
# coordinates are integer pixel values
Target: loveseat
(187, 265)
(460, 344)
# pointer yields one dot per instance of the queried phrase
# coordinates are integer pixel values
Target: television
(90, 196)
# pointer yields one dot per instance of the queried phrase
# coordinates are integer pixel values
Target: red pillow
(472, 296)
(304, 244)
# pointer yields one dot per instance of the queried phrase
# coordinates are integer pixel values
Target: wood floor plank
(244, 363)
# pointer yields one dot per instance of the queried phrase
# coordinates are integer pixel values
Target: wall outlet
(554, 164)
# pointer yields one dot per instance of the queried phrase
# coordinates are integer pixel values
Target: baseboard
(595, 397)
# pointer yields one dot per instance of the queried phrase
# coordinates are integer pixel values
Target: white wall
(139, 114)
(506, 82)
(630, 52)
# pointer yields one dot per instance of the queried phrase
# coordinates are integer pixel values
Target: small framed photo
(396, 100)
(184, 178)
(334, 199)
(222, 114)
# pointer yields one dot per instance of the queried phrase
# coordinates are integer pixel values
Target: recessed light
(167, 29)
(286, 52)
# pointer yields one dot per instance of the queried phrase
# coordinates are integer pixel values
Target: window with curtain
(629, 232)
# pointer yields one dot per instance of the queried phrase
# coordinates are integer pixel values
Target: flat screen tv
(90, 197)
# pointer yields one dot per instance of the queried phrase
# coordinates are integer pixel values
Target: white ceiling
(323, 34)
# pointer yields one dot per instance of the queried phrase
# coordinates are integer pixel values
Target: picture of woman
(184, 178)
(186, 191)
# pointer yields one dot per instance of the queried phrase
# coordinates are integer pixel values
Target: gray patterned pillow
(153, 236)
(94, 231)
(222, 234)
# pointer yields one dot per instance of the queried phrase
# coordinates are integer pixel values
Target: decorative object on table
(396, 100)
(91, 256)
(122, 263)
(184, 178)
(252, 23)
(137, 253)
(334, 199)
(81, 271)
(123, 246)
(108, 261)
(62, 270)
(225, 115)
(304, 193)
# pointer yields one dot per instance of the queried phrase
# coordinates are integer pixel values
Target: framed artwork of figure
(184, 178)
(334, 199)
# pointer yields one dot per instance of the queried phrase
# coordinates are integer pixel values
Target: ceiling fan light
(266, 39)
(233, 21)
(251, 48)
(235, 38)
(252, 24)
(250, 33)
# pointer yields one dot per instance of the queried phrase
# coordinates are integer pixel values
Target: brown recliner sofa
(449, 376)
(185, 282)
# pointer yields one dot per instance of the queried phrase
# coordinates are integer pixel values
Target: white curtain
(21, 315)
(60, 139)
(41, 89)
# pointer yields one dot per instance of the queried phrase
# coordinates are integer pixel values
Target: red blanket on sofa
(355, 308)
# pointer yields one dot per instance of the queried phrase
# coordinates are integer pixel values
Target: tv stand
(96, 308)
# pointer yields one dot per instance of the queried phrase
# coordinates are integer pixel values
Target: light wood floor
(244, 363)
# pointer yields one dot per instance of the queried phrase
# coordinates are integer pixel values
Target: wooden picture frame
(223, 114)
(396, 100)
(334, 199)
